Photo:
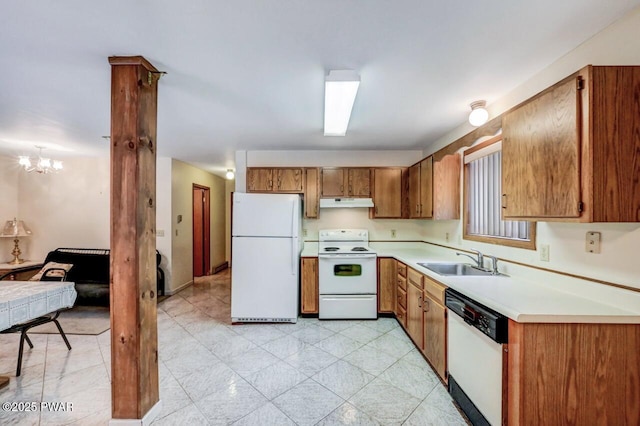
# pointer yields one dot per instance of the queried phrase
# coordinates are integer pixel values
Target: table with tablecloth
(24, 301)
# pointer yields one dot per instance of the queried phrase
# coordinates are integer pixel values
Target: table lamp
(14, 229)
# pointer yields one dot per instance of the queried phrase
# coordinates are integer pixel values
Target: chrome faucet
(494, 265)
(479, 261)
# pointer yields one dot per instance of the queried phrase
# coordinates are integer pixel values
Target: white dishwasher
(475, 358)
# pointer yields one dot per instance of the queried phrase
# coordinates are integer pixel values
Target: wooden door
(414, 191)
(309, 288)
(289, 180)
(446, 187)
(259, 179)
(426, 188)
(541, 155)
(387, 276)
(435, 334)
(333, 182)
(387, 193)
(415, 314)
(359, 183)
(311, 193)
(201, 233)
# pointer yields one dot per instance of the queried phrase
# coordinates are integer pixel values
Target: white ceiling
(250, 74)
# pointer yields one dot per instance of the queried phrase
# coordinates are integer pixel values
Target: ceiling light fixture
(230, 175)
(479, 114)
(340, 89)
(42, 165)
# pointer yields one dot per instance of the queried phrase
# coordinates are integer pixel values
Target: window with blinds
(483, 169)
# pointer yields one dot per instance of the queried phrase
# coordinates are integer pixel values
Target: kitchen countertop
(513, 296)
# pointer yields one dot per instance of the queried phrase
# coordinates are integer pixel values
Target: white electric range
(347, 275)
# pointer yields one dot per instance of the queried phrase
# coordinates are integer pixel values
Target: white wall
(67, 209)
(8, 203)
(618, 44)
(163, 216)
(183, 176)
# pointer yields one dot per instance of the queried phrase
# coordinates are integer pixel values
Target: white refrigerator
(265, 256)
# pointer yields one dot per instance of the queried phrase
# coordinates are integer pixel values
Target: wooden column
(134, 332)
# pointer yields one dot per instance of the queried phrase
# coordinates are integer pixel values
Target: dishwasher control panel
(491, 323)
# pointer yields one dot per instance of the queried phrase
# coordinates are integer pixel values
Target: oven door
(351, 274)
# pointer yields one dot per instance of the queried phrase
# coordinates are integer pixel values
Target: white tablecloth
(21, 301)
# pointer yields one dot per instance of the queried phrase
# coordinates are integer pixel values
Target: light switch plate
(592, 244)
(393, 233)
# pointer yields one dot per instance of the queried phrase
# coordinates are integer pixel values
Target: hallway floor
(213, 373)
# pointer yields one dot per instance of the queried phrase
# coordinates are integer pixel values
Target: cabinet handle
(504, 201)
(419, 300)
(420, 209)
(270, 184)
(417, 208)
(279, 182)
(341, 188)
(350, 190)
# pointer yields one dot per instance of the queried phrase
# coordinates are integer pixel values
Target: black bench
(90, 273)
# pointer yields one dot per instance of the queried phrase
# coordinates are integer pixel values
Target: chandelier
(41, 164)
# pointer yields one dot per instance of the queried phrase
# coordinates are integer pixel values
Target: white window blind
(485, 189)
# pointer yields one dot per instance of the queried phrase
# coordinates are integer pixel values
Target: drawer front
(402, 317)
(402, 298)
(402, 269)
(414, 277)
(402, 283)
(434, 289)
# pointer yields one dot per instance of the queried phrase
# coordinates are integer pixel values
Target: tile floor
(212, 373)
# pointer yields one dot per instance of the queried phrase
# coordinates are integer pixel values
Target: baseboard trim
(144, 421)
(176, 290)
(221, 267)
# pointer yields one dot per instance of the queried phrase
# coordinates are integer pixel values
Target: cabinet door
(387, 274)
(414, 191)
(311, 194)
(415, 314)
(333, 182)
(446, 187)
(309, 287)
(541, 155)
(289, 180)
(387, 193)
(259, 179)
(359, 183)
(435, 334)
(426, 187)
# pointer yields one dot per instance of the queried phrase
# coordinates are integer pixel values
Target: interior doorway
(201, 231)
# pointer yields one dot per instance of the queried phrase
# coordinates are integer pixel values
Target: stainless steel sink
(455, 269)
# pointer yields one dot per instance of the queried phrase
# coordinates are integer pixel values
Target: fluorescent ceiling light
(340, 89)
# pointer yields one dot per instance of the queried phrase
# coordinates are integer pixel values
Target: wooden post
(134, 332)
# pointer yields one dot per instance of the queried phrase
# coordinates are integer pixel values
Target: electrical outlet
(592, 244)
(160, 233)
(544, 252)
(393, 233)
(446, 237)
(304, 232)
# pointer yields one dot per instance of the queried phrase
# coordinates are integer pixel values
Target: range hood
(333, 203)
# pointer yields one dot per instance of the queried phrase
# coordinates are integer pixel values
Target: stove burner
(331, 249)
(359, 249)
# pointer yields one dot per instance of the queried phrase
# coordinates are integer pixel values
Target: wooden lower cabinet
(309, 291)
(387, 275)
(435, 334)
(415, 315)
(573, 374)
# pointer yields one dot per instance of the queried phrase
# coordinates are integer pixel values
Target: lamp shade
(15, 228)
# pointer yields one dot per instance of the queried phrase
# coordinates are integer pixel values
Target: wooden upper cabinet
(346, 182)
(278, 180)
(389, 193)
(289, 180)
(422, 189)
(446, 187)
(572, 152)
(333, 182)
(259, 179)
(311, 193)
